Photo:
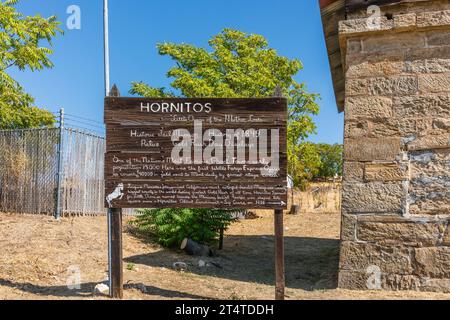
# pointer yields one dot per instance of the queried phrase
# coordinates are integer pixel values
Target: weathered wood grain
(140, 145)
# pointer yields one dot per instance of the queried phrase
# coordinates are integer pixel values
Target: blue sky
(293, 27)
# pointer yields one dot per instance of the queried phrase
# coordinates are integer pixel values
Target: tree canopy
(243, 66)
(331, 160)
(21, 47)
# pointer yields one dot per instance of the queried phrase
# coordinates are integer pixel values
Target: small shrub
(171, 226)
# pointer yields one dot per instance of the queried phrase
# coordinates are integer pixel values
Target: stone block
(428, 53)
(373, 197)
(428, 66)
(355, 87)
(413, 128)
(389, 127)
(361, 256)
(356, 129)
(356, 26)
(432, 262)
(353, 171)
(368, 107)
(435, 285)
(386, 172)
(429, 142)
(410, 129)
(404, 22)
(348, 227)
(433, 19)
(357, 280)
(382, 68)
(434, 83)
(353, 280)
(396, 230)
(405, 85)
(446, 237)
(442, 124)
(396, 282)
(397, 42)
(437, 105)
(438, 38)
(372, 149)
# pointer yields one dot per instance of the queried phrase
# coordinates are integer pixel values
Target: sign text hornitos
(175, 107)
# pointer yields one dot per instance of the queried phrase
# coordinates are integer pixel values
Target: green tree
(171, 226)
(21, 47)
(331, 160)
(317, 162)
(239, 65)
(305, 164)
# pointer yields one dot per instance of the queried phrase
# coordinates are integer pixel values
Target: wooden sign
(196, 153)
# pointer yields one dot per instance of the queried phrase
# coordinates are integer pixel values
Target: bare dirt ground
(37, 254)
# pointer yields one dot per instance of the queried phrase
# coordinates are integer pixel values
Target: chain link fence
(28, 170)
(30, 164)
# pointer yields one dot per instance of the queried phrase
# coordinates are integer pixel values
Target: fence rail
(29, 172)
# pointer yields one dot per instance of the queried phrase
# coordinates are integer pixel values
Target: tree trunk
(295, 209)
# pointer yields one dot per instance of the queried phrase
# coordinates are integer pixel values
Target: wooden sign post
(197, 153)
(115, 242)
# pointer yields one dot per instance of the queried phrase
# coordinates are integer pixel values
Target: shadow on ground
(311, 263)
(86, 290)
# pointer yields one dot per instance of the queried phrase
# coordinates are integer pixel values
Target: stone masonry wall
(396, 190)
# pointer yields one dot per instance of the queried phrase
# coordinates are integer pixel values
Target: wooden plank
(332, 13)
(115, 243)
(157, 138)
(116, 254)
(279, 256)
(280, 282)
(141, 170)
(115, 106)
(173, 194)
(157, 168)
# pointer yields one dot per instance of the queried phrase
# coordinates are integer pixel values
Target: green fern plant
(171, 226)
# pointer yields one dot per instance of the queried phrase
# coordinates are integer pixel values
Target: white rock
(101, 289)
(201, 263)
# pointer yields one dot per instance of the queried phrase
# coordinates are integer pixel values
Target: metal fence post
(60, 165)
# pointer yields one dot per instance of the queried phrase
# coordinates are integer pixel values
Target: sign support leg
(115, 264)
(279, 256)
(115, 254)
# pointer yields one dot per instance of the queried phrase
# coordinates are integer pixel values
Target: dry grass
(36, 253)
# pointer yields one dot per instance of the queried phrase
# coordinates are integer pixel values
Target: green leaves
(171, 226)
(241, 65)
(21, 47)
(316, 162)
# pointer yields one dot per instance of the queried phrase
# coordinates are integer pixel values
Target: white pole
(107, 88)
(106, 45)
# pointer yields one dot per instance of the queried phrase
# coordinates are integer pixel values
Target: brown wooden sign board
(196, 153)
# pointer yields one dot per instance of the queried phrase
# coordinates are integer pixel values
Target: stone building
(391, 71)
